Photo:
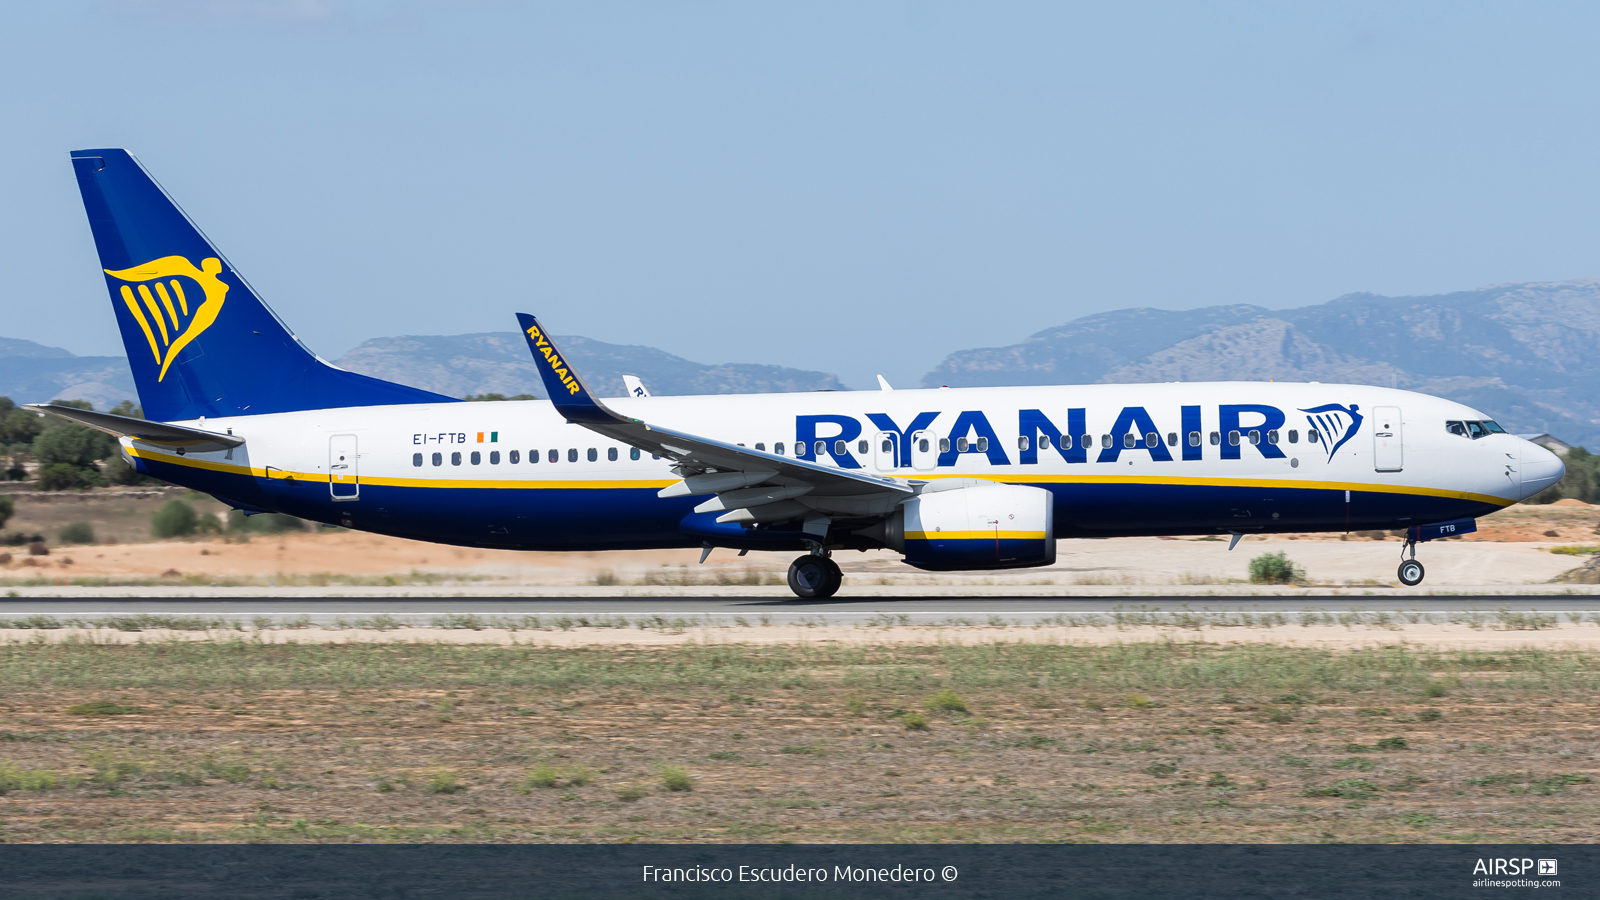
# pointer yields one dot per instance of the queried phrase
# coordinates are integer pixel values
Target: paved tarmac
(1020, 610)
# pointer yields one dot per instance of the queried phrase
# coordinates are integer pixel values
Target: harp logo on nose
(169, 315)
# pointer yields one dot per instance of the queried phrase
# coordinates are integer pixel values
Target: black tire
(835, 577)
(1411, 573)
(813, 577)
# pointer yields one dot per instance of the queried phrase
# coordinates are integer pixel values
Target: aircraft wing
(751, 485)
(193, 439)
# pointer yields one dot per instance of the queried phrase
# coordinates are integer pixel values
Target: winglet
(570, 395)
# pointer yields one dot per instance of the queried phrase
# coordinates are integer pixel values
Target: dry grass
(240, 741)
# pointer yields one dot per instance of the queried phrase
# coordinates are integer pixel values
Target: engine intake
(982, 526)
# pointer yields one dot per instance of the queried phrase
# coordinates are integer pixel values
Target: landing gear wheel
(814, 577)
(1411, 573)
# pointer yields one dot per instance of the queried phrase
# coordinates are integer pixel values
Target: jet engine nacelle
(979, 526)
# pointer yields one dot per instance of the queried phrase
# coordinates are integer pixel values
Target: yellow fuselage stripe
(974, 535)
(657, 484)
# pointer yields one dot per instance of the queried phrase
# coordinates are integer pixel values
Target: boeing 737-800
(952, 479)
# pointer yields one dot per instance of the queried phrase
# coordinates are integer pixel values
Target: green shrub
(675, 778)
(1392, 743)
(544, 777)
(67, 477)
(263, 523)
(631, 792)
(78, 533)
(75, 445)
(20, 426)
(1429, 715)
(1348, 788)
(102, 708)
(1435, 689)
(176, 519)
(914, 721)
(117, 471)
(15, 779)
(445, 782)
(946, 701)
(1275, 568)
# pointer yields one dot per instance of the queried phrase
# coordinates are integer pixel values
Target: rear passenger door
(1388, 439)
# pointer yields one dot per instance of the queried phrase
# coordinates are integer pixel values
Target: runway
(727, 610)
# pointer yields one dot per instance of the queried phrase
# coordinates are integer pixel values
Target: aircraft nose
(1540, 468)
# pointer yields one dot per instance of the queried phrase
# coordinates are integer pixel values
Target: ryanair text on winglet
(549, 353)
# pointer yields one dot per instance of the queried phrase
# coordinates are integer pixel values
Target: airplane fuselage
(1150, 459)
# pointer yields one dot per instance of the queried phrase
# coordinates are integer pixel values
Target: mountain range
(1527, 354)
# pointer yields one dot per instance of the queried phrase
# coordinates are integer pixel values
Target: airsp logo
(1499, 866)
(161, 294)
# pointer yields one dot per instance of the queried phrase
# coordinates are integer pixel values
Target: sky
(855, 187)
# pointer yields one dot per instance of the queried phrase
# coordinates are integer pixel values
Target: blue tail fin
(199, 340)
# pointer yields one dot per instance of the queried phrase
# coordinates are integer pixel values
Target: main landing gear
(1411, 571)
(814, 577)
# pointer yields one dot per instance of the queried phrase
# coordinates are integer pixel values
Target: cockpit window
(1476, 430)
(1456, 428)
(1493, 427)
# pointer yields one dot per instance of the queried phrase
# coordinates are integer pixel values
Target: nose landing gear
(814, 577)
(1411, 571)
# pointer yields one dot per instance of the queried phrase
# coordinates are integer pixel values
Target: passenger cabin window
(477, 458)
(944, 445)
(1255, 436)
(1152, 439)
(438, 459)
(1311, 436)
(1194, 439)
(1044, 441)
(820, 447)
(839, 448)
(1233, 438)
(922, 446)
(1105, 442)
(1272, 436)
(416, 459)
(494, 457)
(961, 445)
(1127, 440)
(983, 445)
(611, 454)
(555, 455)
(593, 454)
(888, 445)
(1022, 444)
(778, 448)
(1084, 440)
(861, 446)
(1172, 439)
(515, 457)
(633, 452)
(455, 459)
(1294, 436)
(759, 446)
(1215, 438)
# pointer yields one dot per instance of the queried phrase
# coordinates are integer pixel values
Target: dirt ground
(1511, 547)
(1136, 743)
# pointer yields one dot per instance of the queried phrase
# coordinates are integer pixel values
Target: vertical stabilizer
(199, 340)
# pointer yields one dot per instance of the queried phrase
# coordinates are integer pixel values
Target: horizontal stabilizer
(192, 439)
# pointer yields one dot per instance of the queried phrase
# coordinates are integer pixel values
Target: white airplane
(953, 479)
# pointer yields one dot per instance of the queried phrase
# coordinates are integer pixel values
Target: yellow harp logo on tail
(162, 308)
